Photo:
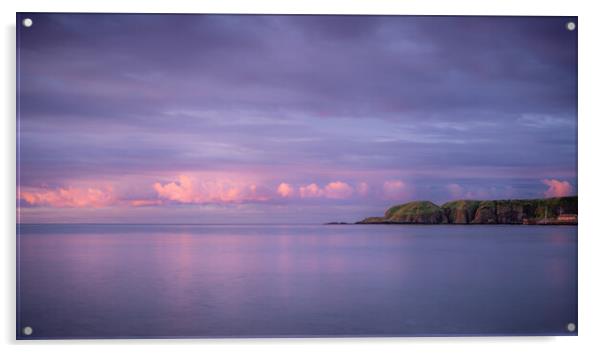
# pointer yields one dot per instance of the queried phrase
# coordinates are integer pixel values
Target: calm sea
(98, 281)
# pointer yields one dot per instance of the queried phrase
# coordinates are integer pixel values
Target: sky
(288, 119)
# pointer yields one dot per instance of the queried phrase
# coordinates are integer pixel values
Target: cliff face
(460, 212)
(509, 212)
(480, 212)
(486, 213)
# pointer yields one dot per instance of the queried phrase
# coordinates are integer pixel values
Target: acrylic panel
(185, 175)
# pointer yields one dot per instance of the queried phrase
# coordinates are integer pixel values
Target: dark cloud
(432, 100)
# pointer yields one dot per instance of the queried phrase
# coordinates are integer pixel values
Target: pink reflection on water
(557, 269)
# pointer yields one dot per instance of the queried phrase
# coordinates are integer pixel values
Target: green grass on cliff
(469, 205)
(425, 208)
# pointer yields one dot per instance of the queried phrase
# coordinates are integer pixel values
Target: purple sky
(250, 119)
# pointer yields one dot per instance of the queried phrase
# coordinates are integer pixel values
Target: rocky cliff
(535, 211)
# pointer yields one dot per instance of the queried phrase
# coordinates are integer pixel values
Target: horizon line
(166, 224)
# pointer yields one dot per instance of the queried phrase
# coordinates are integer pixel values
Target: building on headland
(567, 217)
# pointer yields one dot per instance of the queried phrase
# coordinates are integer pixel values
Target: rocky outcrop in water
(558, 210)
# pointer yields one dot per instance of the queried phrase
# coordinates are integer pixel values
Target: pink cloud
(338, 190)
(285, 190)
(480, 194)
(310, 191)
(180, 191)
(70, 197)
(189, 190)
(362, 188)
(332, 190)
(455, 190)
(258, 193)
(557, 188)
(395, 189)
(145, 202)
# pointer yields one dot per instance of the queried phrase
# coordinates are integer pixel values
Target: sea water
(103, 281)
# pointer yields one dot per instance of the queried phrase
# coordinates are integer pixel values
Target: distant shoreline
(549, 211)
(445, 224)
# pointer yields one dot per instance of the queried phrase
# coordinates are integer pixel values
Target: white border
(590, 114)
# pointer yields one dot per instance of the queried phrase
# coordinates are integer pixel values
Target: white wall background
(590, 149)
